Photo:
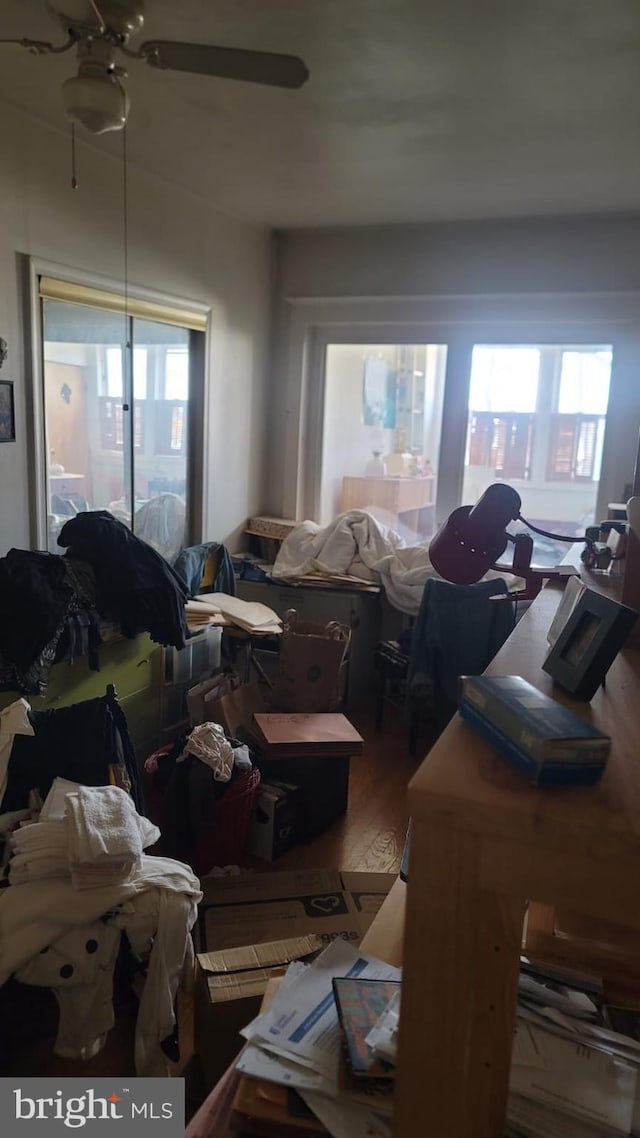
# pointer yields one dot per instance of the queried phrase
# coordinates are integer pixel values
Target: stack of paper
(201, 614)
(572, 1075)
(297, 1043)
(248, 615)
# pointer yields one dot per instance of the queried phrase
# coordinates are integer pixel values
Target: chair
(206, 568)
(458, 631)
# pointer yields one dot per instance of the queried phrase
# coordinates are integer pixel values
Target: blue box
(549, 743)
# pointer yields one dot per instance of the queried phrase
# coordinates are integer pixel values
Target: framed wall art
(7, 412)
(586, 646)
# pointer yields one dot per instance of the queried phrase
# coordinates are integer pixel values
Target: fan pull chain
(74, 180)
(128, 359)
(125, 227)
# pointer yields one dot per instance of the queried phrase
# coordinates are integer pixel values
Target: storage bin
(218, 834)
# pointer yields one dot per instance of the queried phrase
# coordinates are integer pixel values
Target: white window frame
(199, 413)
(460, 323)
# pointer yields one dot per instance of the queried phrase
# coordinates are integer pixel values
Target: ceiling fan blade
(226, 62)
(39, 47)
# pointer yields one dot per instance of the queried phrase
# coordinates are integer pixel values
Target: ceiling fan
(95, 97)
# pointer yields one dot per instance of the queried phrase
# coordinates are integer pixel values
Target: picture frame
(7, 412)
(585, 648)
(571, 594)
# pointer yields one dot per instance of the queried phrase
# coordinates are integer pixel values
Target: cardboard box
(273, 820)
(323, 789)
(229, 987)
(253, 908)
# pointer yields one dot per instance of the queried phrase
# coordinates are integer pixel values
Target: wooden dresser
(411, 500)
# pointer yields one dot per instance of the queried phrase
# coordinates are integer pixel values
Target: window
(176, 376)
(113, 377)
(504, 378)
(503, 396)
(537, 415)
(383, 412)
(578, 425)
(501, 442)
(117, 391)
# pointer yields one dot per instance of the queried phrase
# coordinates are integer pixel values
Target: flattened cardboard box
(229, 988)
(253, 908)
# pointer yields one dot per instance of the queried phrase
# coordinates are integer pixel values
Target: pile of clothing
(51, 605)
(137, 588)
(88, 742)
(87, 844)
(203, 787)
(93, 834)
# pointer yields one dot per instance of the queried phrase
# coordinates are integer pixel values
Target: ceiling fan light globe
(98, 104)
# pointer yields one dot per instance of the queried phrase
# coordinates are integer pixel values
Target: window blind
(143, 308)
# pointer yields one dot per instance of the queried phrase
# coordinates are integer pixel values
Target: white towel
(103, 825)
(41, 857)
(97, 875)
(54, 805)
(37, 870)
(40, 837)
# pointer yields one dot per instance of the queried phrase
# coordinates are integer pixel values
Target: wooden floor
(368, 838)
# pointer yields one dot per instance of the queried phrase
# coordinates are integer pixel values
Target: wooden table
(483, 842)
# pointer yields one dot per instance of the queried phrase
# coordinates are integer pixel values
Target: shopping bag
(310, 662)
(233, 707)
(212, 687)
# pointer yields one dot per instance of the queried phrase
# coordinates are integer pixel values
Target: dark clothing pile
(47, 612)
(137, 588)
(51, 606)
(88, 742)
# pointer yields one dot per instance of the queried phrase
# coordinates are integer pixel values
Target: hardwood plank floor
(369, 837)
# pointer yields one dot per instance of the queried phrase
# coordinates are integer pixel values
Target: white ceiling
(416, 110)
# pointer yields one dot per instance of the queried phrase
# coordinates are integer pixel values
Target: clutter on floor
(325, 1049)
(202, 789)
(250, 925)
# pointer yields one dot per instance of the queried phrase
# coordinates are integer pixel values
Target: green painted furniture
(134, 667)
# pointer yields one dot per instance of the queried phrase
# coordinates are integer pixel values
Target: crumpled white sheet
(355, 543)
(209, 743)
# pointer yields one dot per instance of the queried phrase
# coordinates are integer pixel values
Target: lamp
(474, 537)
(95, 97)
(97, 103)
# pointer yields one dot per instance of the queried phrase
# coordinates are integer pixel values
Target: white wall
(348, 443)
(178, 245)
(542, 270)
